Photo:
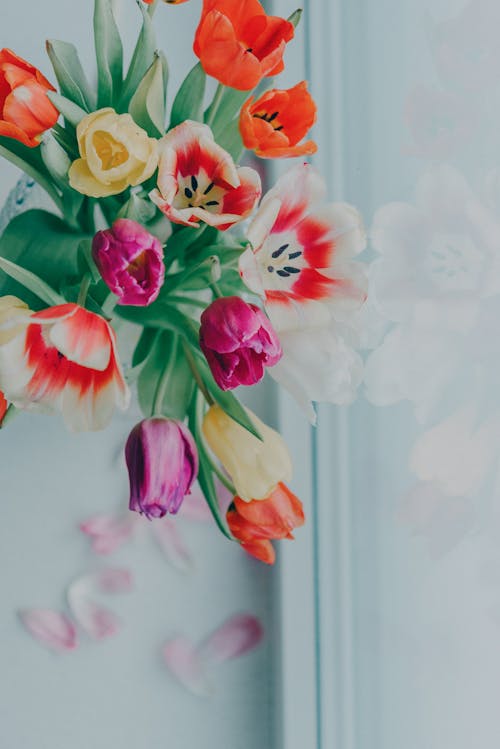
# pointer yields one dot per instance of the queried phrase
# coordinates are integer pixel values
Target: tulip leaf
(147, 105)
(165, 385)
(43, 244)
(30, 161)
(70, 75)
(226, 400)
(137, 209)
(109, 54)
(31, 282)
(162, 315)
(142, 58)
(205, 474)
(188, 104)
(227, 109)
(229, 138)
(69, 110)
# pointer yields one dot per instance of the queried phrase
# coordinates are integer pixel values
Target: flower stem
(84, 290)
(214, 106)
(196, 374)
(161, 389)
(152, 8)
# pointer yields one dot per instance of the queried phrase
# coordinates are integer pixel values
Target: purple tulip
(162, 462)
(130, 260)
(238, 341)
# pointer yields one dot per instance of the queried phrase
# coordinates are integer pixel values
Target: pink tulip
(238, 341)
(162, 461)
(130, 260)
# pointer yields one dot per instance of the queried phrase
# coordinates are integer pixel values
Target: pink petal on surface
(98, 622)
(185, 664)
(172, 544)
(108, 532)
(239, 635)
(112, 580)
(51, 628)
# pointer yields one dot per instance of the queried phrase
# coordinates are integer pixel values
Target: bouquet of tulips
(155, 223)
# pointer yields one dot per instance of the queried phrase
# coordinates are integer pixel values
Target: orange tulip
(25, 109)
(256, 523)
(3, 406)
(274, 125)
(239, 44)
(169, 2)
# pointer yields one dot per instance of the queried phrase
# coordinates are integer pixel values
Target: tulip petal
(185, 664)
(51, 628)
(239, 635)
(108, 532)
(98, 622)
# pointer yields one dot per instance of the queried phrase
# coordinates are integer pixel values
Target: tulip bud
(162, 461)
(256, 467)
(238, 341)
(130, 260)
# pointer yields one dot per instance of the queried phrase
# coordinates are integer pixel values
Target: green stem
(212, 112)
(216, 290)
(109, 305)
(84, 290)
(160, 394)
(196, 374)
(152, 8)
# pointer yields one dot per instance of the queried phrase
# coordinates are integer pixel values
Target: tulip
(238, 341)
(255, 466)
(26, 112)
(255, 524)
(3, 407)
(198, 180)
(61, 359)
(162, 461)
(274, 125)
(115, 154)
(130, 260)
(239, 44)
(169, 2)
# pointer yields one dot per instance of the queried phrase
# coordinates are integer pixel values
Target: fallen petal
(108, 532)
(185, 664)
(96, 621)
(172, 544)
(112, 580)
(239, 635)
(51, 628)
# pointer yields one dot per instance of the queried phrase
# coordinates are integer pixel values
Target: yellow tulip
(255, 467)
(115, 154)
(12, 310)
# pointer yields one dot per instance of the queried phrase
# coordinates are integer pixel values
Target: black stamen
(270, 269)
(190, 205)
(277, 129)
(250, 49)
(291, 269)
(280, 250)
(283, 274)
(212, 202)
(188, 193)
(207, 189)
(293, 255)
(272, 117)
(194, 183)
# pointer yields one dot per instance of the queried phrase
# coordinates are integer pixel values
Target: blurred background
(382, 621)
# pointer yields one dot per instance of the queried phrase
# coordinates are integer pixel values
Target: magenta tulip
(162, 462)
(130, 260)
(238, 341)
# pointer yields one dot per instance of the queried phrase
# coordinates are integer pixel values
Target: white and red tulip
(61, 359)
(199, 181)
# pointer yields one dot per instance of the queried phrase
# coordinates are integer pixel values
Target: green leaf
(142, 58)
(66, 137)
(206, 478)
(162, 316)
(165, 385)
(228, 108)
(144, 346)
(147, 105)
(56, 160)
(109, 54)
(188, 104)
(229, 138)
(295, 17)
(225, 399)
(70, 75)
(30, 161)
(137, 209)
(42, 243)
(86, 262)
(69, 110)
(31, 282)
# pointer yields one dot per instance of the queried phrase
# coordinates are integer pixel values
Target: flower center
(271, 117)
(110, 151)
(138, 268)
(281, 260)
(198, 192)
